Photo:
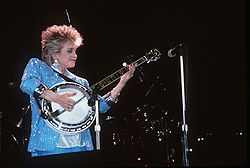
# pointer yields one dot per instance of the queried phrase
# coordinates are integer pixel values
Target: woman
(59, 45)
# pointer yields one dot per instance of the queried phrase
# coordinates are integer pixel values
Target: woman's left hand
(123, 80)
(129, 74)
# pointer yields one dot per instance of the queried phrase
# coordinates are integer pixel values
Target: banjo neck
(153, 55)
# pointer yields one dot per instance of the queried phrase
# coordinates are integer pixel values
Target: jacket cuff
(39, 91)
(109, 99)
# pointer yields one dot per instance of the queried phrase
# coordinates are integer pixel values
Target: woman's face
(67, 56)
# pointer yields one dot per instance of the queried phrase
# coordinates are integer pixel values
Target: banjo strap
(42, 114)
(91, 91)
(65, 77)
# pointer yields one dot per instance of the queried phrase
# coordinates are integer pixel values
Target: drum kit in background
(140, 127)
(146, 129)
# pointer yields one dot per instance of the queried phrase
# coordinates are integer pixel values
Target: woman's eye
(69, 51)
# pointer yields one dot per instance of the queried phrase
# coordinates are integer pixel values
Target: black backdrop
(214, 32)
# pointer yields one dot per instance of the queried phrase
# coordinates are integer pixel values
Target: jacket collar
(57, 68)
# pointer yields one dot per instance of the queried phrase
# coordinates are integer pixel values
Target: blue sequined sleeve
(103, 105)
(31, 77)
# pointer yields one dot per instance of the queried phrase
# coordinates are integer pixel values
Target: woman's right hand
(65, 101)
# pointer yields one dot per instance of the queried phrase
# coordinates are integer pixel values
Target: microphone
(172, 52)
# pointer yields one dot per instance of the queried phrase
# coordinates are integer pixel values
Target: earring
(55, 61)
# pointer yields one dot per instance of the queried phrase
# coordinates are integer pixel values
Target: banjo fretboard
(116, 75)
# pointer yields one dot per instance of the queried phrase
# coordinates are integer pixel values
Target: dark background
(215, 34)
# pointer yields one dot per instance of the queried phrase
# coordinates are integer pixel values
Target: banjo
(82, 115)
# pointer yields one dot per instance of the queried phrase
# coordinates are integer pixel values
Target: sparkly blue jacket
(42, 137)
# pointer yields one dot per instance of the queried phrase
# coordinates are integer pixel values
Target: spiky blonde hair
(53, 39)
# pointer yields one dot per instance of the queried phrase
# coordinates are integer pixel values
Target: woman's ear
(54, 56)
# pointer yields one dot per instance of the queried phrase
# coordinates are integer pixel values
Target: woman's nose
(74, 55)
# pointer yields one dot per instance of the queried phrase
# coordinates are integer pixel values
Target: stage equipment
(67, 14)
(172, 52)
(115, 133)
(145, 126)
(179, 50)
(97, 125)
(12, 137)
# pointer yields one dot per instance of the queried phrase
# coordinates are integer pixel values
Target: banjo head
(70, 122)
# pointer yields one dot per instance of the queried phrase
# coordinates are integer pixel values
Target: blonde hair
(53, 39)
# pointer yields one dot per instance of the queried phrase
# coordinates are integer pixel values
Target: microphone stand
(97, 125)
(184, 125)
(94, 101)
